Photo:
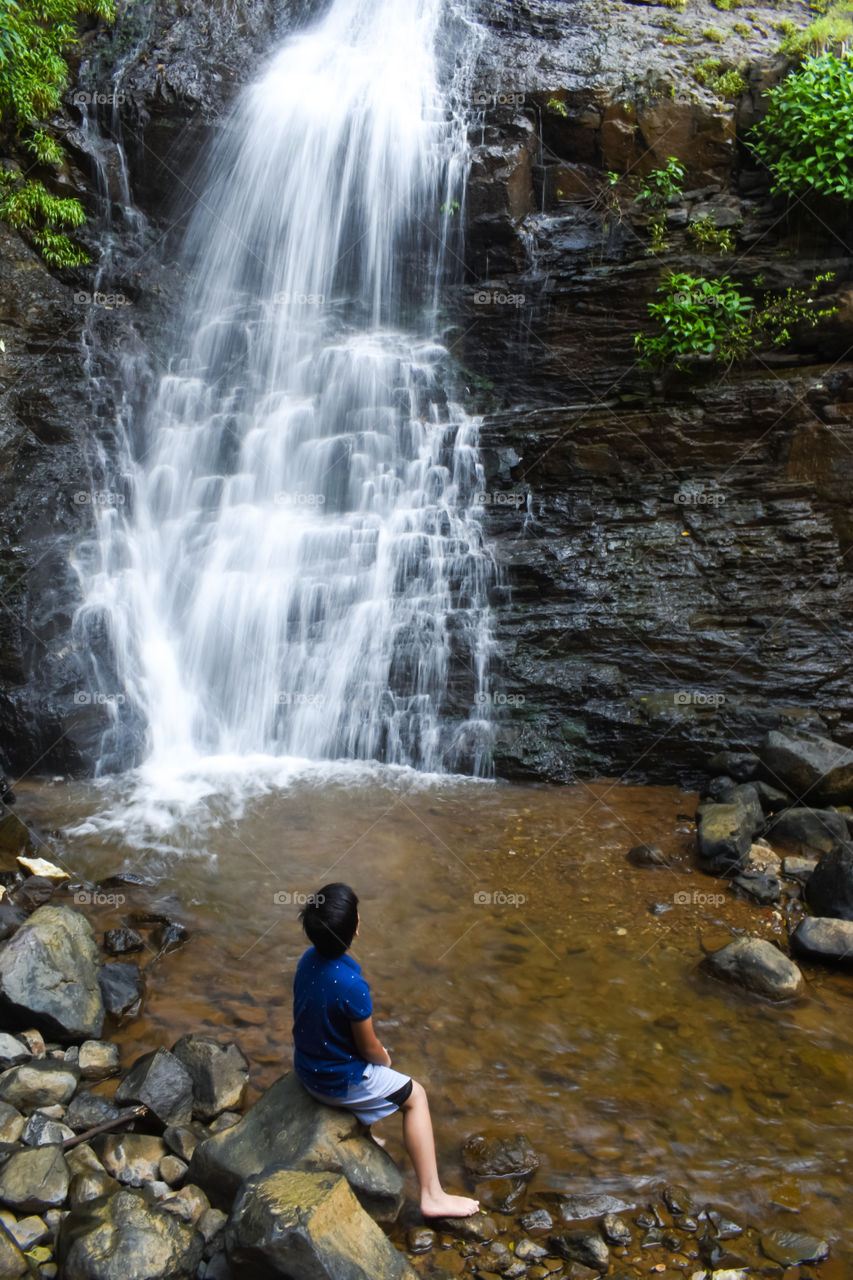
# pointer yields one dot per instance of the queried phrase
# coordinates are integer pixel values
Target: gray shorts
(379, 1093)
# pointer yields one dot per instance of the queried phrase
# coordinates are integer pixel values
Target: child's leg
(420, 1144)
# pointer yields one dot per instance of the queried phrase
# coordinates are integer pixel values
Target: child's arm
(368, 1045)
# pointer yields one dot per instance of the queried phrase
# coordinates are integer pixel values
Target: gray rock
(615, 1229)
(161, 1083)
(677, 1199)
(743, 766)
(98, 1060)
(586, 1247)
(31, 1181)
(478, 1227)
(529, 1251)
(127, 1237)
(11, 1123)
(288, 1128)
(647, 855)
(38, 1084)
(579, 1208)
(86, 1110)
(91, 1185)
(172, 1170)
(772, 798)
(307, 1226)
(12, 1261)
(211, 1224)
(536, 1220)
(133, 1159)
(823, 938)
(49, 973)
(42, 1130)
(28, 1232)
(798, 869)
(121, 942)
(758, 966)
(420, 1239)
(829, 890)
(189, 1203)
(183, 1139)
(724, 833)
(817, 829)
(12, 1050)
(814, 769)
(789, 1248)
(122, 988)
(219, 1072)
(761, 887)
(488, 1155)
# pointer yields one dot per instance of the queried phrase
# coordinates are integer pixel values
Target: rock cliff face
(674, 557)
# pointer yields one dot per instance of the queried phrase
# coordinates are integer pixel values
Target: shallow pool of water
(517, 970)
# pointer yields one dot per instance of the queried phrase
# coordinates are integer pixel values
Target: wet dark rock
(49, 974)
(725, 832)
(90, 1185)
(645, 1221)
(120, 942)
(586, 1247)
(101, 1237)
(758, 966)
(723, 1228)
(677, 1199)
(536, 1220)
(11, 918)
(160, 1082)
(43, 1130)
(815, 769)
(420, 1240)
(579, 1208)
(170, 936)
(652, 1238)
(287, 1127)
(35, 1180)
(307, 1226)
(34, 892)
(761, 887)
(829, 889)
(647, 855)
(790, 1248)
(182, 1140)
(122, 988)
(529, 1250)
(798, 869)
(11, 1123)
(504, 1195)
(486, 1155)
(808, 829)
(98, 1060)
(478, 1228)
(743, 766)
(86, 1110)
(822, 938)
(219, 1073)
(38, 1083)
(772, 798)
(12, 1050)
(615, 1229)
(133, 1159)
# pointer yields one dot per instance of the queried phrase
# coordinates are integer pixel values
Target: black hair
(330, 919)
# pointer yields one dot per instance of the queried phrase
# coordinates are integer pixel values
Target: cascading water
(300, 569)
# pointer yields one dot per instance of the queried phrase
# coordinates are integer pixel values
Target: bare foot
(445, 1206)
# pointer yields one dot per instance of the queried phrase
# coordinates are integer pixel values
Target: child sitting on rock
(338, 1057)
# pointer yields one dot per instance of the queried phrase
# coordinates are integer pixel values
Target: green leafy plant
(806, 138)
(557, 106)
(710, 238)
(655, 193)
(832, 31)
(727, 84)
(34, 37)
(714, 34)
(450, 207)
(714, 320)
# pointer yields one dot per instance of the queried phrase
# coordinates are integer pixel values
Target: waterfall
(299, 568)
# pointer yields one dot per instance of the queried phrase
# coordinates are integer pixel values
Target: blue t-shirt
(327, 996)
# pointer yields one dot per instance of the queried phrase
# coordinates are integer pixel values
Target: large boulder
(801, 828)
(725, 831)
(122, 988)
(307, 1226)
(34, 1180)
(49, 974)
(127, 1236)
(814, 769)
(287, 1127)
(219, 1072)
(823, 939)
(758, 966)
(829, 889)
(162, 1084)
(43, 1083)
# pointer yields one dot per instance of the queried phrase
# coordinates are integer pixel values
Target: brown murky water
(518, 971)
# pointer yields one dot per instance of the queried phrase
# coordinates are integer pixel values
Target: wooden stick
(132, 1113)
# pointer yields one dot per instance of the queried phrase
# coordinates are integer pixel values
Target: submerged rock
(829, 890)
(127, 1237)
(307, 1226)
(288, 1128)
(586, 1247)
(789, 1248)
(49, 973)
(758, 966)
(488, 1156)
(647, 855)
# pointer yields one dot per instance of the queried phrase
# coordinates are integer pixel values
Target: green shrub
(725, 84)
(806, 138)
(34, 36)
(715, 320)
(655, 195)
(710, 238)
(830, 32)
